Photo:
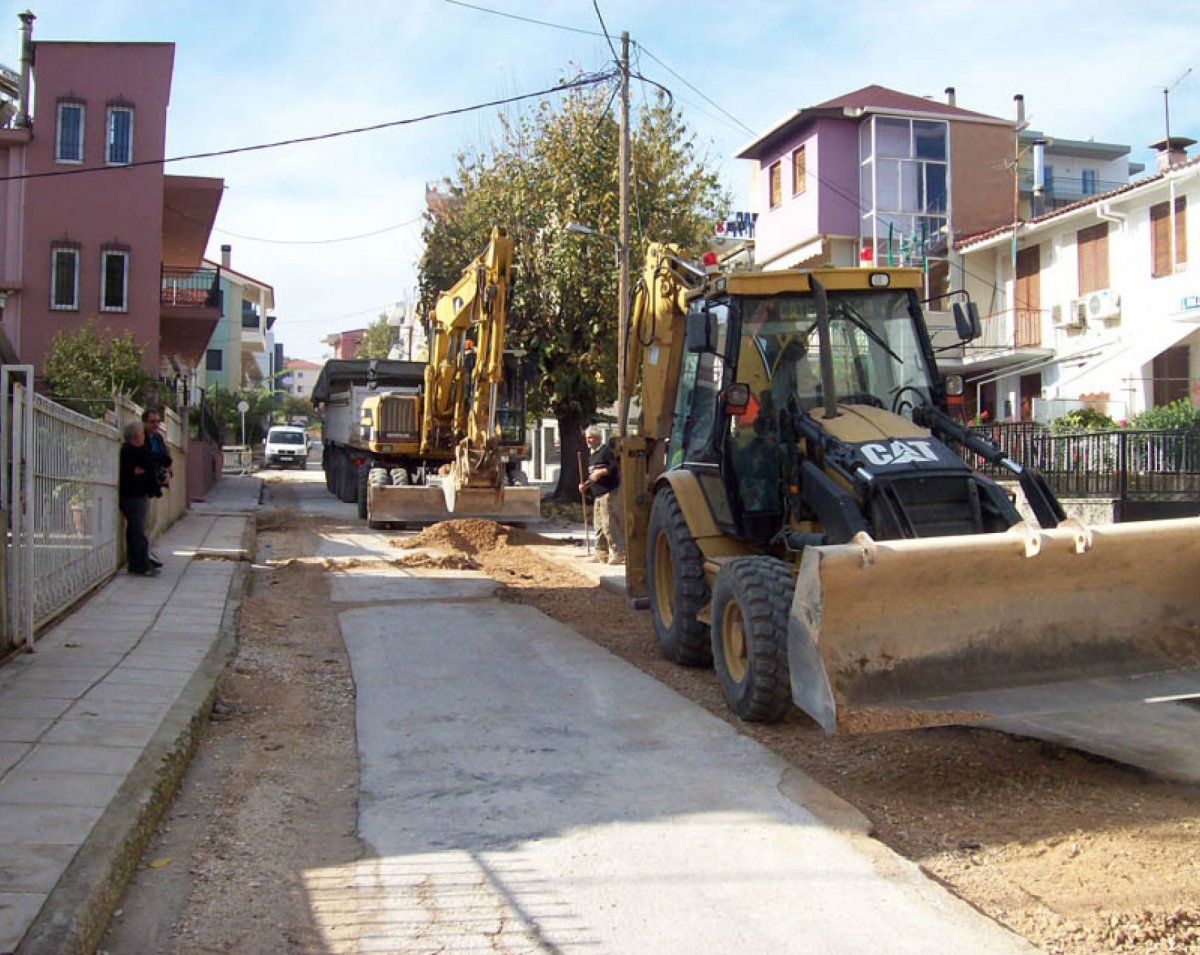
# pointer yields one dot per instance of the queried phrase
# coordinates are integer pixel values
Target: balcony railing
(191, 288)
(1069, 188)
(1010, 329)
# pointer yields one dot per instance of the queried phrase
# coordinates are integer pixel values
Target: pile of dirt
(467, 536)
(436, 561)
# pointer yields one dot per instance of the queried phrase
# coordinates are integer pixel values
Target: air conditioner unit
(1104, 304)
(1071, 315)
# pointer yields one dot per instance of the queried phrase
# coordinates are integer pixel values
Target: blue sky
(256, 71)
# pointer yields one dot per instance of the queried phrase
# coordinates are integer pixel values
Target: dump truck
(801, 515)
(421, 442)
(369, 412)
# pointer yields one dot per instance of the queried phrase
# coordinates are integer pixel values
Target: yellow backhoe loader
(471, 407)
(798, 516)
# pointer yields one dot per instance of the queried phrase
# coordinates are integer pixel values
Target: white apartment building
(1090, 305)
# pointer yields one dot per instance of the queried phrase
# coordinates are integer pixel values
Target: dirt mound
(468, 536)
(437, 561)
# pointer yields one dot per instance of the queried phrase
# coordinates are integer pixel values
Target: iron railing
(191, 288)
(1120, 464)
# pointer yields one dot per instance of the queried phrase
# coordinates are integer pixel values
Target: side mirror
(736, 398)
(954, 385)
(701, 334)
(966, 321)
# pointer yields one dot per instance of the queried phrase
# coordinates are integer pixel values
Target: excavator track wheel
(677, 587)
(752, 599)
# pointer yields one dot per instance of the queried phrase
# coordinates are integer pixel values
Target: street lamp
(578, 228)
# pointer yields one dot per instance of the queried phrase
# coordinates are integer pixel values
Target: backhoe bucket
(899, 634)
(424, 504)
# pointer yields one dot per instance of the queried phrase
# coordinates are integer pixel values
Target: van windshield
(285, 437)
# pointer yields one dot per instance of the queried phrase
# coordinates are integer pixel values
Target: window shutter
(1093, 258)
(1160, 240)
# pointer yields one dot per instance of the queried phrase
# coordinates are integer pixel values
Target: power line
(347, 238)
(607, 38)
(697, 90)
(589, 80)
(513, 16)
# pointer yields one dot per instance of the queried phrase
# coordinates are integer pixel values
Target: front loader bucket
(423, 504)
(909, 633)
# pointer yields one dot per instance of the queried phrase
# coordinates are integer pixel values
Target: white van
(286, 446)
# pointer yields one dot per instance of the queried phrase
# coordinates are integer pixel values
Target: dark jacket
(132, 484)
(603, 458)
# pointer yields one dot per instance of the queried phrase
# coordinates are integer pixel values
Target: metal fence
(1120, 464)
(75, 526)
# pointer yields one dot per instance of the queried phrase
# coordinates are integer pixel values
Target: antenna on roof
(1167, 90)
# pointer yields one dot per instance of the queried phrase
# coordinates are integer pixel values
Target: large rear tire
(362, 480)
(347, 479)
(751, 602)
(676, 584)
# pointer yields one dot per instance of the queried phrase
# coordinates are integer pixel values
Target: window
(114, 281)
(1093, 258)
(775, 184)
(799, 171)
(1089, 182)
(64, 278)
(68, 142)
(212, 361)
(1160, 237)
(118, 149)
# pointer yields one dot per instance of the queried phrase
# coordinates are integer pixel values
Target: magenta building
(92, 228)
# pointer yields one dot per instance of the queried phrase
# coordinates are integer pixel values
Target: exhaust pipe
(23, 118)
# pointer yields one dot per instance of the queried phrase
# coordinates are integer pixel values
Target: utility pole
(623, 243)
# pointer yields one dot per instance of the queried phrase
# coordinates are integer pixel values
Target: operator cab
(755, 400)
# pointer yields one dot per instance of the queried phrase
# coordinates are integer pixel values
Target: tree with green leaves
(555, 164)
(84, 368)
(377, 340)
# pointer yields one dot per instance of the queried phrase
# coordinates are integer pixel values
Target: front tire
(676, 584)
(751, 603)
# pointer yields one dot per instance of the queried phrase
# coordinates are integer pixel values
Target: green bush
(1177, 416)
(1082, 419)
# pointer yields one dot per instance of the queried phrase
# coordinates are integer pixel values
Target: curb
(75, 916)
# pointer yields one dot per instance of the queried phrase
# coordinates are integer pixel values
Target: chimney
(1019, 100)
(951, 99)
(27, 19)
(1172, 151)
(1039, 177)
(226, 256)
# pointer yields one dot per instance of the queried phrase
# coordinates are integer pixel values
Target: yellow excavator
(471, 407)
(800, 516)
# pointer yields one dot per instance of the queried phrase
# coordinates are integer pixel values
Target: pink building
(345, 344)
(91, 228)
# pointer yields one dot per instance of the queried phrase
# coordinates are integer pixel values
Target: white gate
(59, 488)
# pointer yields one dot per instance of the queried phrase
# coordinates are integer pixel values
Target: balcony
(189, 309)
(1063, 190)
(1009, 337)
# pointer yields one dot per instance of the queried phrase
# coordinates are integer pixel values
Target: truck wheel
(751, 602)
(362, 480)
(347, 480)
(677, 588)
(327, 467)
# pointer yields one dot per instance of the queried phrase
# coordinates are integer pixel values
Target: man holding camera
(156, 447)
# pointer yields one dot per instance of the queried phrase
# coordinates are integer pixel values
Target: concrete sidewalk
(97, 725)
